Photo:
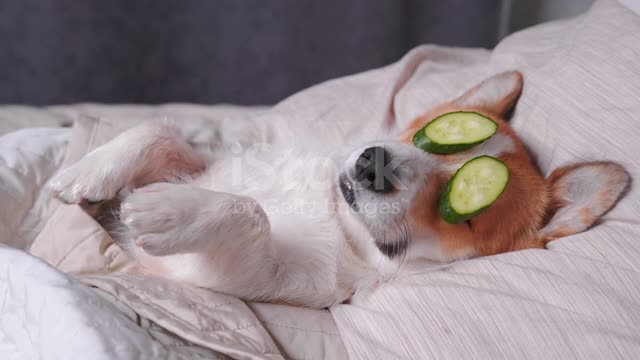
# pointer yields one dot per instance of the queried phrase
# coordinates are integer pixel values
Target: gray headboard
(211, 51)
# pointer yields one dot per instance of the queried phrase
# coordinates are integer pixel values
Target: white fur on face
(498, 145)
(384, 215)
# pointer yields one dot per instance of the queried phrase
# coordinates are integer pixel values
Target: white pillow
(581, 298)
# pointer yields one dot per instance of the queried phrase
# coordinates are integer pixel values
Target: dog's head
(397, 199)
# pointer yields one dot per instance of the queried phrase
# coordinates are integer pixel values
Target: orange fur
(509, 224)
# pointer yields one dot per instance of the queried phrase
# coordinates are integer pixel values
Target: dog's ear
(497, 94)
(581, 194)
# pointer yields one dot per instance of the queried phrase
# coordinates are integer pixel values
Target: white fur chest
(297, 191)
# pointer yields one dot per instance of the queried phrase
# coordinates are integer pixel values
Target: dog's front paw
(161, 217)
(90, 179)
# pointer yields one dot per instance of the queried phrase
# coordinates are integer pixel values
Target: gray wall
(235, 51)
(525, 13)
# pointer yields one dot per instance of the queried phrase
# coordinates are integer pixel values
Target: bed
(579, 299)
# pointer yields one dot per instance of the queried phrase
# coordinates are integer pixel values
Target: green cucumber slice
(454, 132)
(473, 188)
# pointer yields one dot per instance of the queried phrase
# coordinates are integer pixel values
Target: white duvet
(45, 314)
(579, 299)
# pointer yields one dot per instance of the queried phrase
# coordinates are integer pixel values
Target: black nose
(371, 170)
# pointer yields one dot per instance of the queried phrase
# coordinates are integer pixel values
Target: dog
(278, 212)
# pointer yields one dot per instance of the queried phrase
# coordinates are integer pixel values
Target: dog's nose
(371, 168)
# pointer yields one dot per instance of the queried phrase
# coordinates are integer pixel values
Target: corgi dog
(277, 211)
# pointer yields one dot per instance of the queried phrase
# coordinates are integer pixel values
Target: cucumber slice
(473, 188)
(454, 132)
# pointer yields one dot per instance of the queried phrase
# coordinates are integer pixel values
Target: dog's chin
(391, 242)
